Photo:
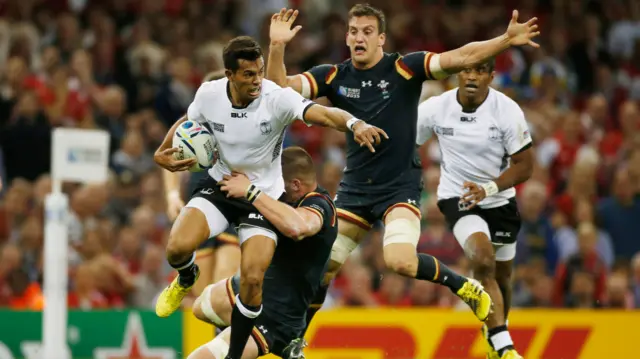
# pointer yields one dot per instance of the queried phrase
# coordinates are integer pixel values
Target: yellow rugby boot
(171, 297)
(491, 353)
(511, 354)
(475, 296)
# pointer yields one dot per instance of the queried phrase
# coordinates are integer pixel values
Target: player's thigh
(258, 241)
(504, 224)
(202, 218)
(469, 227)
(189, 230)
(354, 208)
(257, 251)
(401, 216)
(219, 347)
(227, 260)
(215, 303)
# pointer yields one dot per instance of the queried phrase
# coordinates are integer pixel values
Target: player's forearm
(331, 117)
(473, 53)
(276, 70)
(284, 217)
(171, 183)
(514, 175)
(168, 138)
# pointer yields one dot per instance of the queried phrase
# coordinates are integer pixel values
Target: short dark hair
(297, 163)
(360, 10)
(240, 48)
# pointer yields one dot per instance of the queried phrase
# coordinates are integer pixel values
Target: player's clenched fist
(280, 30)
(166, 160)
(474, 194)
(367, 135)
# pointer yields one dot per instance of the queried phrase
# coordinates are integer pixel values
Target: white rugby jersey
(475, 146)
(249, 139)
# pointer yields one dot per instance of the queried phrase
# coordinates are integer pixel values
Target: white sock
(501, 340)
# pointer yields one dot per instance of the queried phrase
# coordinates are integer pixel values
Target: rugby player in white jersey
(217, 257)
(249, 116)
(486, 151)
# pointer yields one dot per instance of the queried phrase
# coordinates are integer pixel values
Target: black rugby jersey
(297, 268)
(386, 96)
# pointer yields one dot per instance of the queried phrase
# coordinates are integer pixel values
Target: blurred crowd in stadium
(132, 67)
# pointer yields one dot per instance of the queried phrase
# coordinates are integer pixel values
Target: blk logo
(256, 216)
(238, 115)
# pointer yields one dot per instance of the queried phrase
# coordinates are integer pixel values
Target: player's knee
(504, 276)
(176, 249)
(252, 276)
(481, 254)
(196, 309)
(204, 307)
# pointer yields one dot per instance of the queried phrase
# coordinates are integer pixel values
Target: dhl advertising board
(440, 334)
(338, 334)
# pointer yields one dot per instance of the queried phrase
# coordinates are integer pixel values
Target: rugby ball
(195, 141)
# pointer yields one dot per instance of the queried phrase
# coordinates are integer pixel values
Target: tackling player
(249, 116)
(486, 151)
(384, 90)
(295, 274)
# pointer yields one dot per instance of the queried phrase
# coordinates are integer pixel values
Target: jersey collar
(231, 98)
(475, 109)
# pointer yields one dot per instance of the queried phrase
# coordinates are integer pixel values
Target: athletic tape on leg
(342, 248)
(218, 347)
(207, 309)
(401, 230)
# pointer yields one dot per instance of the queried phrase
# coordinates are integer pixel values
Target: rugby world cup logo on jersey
(219, 127)
(443, 131)
(349, 92)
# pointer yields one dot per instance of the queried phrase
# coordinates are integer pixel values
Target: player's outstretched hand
(280, 30)
(366, 135)
(235, 185)
(522, 33)
(474, 194)
(166, 160)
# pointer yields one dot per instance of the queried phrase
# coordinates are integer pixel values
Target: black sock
(316, 304)
(241, 327)
(429, 268)
(187, 271)
(506, 343)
